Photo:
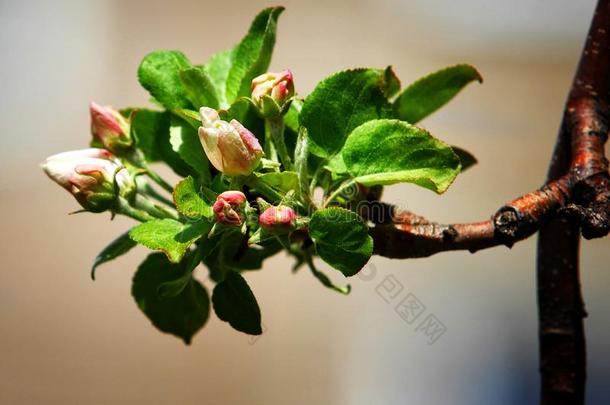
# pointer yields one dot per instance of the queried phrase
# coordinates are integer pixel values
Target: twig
(402, 234)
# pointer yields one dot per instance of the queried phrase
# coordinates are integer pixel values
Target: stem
(274, 135)
(159, 180)
(338, 192)
(314, 178)
(151, 192)
(155, 209)
(283, 240)
(323, 278)
(124, 208)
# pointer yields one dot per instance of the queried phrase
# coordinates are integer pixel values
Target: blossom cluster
(101, 176)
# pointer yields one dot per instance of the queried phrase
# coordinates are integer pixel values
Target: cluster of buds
(229, 146)
(230, 209)
(109, 129)
(272, 92)
(93, 176)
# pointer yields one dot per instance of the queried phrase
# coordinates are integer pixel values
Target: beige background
(67, 340)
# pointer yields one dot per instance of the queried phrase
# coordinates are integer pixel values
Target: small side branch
(402, 234)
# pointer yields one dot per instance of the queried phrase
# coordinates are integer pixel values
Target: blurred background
(67, 340)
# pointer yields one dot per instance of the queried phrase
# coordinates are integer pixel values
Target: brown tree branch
(580, 149)
(575, 200)
(582, 193)
(402, 234)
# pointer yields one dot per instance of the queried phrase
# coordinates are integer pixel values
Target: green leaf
(291, 118)
(221, 251)
(159, 73)
(339, 104)
(181, 315)
(238, 110)
(467, 159)
(174, 287)
(251, 57)
(431, 92)
(341, 238)
(116, 248)
(234, 303)
(185, 142)
(199, 88)
(150, 129)
(336, 164)
(190, 201)
(218, 68)
(390, 151)
(282, 181)
(169, 236)
(146, 127)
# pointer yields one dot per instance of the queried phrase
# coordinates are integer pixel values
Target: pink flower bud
(228, 208)
(229, 146)
(278, 86)
(93, 176)
(278, 219)
(109, 128)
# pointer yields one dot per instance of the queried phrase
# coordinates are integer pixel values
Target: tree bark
(560, 303)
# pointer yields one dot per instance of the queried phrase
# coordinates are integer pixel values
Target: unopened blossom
(110, 128)
(278, 219)
(278, 86)
(93, 176)
(229, 146)
(229, 208)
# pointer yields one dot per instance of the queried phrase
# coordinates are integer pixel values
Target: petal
(232, 197)
(247, 137)
(103, 118)
(208, 116)
(82, 153)
(209, 141)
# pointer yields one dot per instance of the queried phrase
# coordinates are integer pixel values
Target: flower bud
(229, 146)
(280, 219)
(229, 208)
(109, 128)
(93, 176)
(276, 87)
